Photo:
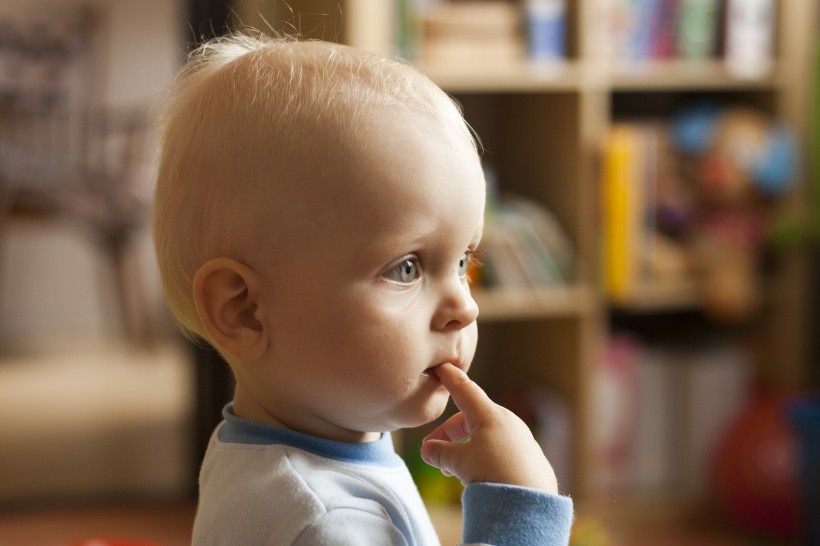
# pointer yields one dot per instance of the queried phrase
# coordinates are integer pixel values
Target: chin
(418, 412)
(431, 411)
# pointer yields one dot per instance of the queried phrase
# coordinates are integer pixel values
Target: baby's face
(370, 292)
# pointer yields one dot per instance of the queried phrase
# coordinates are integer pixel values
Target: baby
(316, 213)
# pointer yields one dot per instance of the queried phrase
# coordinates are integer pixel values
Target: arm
(512, 494)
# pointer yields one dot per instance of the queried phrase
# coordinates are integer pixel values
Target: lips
(429, 371)
(454, 361)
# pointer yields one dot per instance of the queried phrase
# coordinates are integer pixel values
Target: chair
(62, 156)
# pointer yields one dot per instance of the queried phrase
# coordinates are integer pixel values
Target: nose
(456, 309)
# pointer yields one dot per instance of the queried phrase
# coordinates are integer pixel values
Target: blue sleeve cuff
(502, 515)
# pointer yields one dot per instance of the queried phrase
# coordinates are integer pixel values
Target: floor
(156, 524)
(169, 523)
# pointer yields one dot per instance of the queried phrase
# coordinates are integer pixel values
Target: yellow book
(619, 210)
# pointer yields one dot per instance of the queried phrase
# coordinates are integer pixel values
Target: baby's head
(315, 213)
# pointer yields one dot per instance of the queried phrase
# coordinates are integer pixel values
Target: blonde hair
(242, 105)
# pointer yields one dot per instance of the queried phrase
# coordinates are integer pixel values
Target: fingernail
(423, 451)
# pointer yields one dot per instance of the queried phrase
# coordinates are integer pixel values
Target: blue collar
(236, 430)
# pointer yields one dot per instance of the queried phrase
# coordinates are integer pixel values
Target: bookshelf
(542, 128)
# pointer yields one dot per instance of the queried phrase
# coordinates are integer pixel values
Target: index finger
(467, 395)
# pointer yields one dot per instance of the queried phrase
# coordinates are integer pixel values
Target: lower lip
(430, 373)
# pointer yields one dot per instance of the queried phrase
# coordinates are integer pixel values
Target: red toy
(755, 471)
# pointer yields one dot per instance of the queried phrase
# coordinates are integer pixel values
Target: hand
(485, 442)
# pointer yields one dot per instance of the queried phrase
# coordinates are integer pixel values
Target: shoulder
(250, 494)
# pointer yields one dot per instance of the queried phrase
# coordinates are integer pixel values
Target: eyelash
(474, 264)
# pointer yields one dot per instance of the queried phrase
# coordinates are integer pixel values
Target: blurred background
(648, 295)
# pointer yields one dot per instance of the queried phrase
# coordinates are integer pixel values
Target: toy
(745, 142)
(754, 472)
(739, 162)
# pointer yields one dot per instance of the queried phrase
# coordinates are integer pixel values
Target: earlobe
(228, 300)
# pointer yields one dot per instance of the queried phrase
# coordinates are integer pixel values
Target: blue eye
(464, 264)
(405, 271)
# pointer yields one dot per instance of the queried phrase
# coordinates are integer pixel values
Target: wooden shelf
(520, 77)
(685, 76)
(527, 304)
(525, 77)
(663, 296)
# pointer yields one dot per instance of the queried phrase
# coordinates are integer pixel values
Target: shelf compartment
(544, 161)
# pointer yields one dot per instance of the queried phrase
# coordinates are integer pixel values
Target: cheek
(382, 350)
(363, 328)
(378, 339)
(470, 342)
(298, 322)
(473, 331)
(343, 330)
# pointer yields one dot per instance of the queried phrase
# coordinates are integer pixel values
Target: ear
(227, 295)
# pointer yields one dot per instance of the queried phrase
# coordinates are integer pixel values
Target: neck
(250, 408)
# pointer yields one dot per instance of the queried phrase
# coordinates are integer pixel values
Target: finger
(442, 455)
(453, 429)
(466, 394)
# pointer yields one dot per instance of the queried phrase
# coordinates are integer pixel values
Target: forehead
(386, 164)
(397, 154)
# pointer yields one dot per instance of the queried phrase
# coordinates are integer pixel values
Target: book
(621, 192)
(472, 33)
(645, 31)
(665, 30)
(697, 29)
(715, 388)
(641, 199)
(614, 393)
(749, 32)
(660, 413)
(524, 247)
(546, 30)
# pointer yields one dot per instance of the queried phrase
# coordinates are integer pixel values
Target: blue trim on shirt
(236, 430)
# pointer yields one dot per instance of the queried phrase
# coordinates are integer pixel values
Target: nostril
(454, 325)
(457, 309)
